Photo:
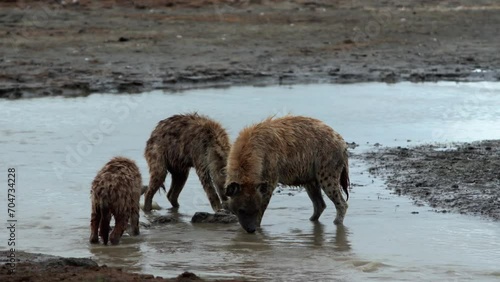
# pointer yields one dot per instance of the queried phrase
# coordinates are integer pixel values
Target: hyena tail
(105, 219)
(157, 167)
(344, 179)
(144, 188)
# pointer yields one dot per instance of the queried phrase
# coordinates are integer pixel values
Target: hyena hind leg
(178, 181)
(121, 222)
(314, 193)
(134, 222)
(104, 224)
(95, 219)
(331, 186)
(156, 180)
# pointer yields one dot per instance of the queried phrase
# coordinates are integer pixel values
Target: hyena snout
(245, 205)
(248, 220)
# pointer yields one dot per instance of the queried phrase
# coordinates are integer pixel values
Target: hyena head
(245, 202)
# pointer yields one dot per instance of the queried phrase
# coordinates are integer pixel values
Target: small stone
(164, 219)
(224, 217)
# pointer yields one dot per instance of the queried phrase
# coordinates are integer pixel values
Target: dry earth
(76, 47)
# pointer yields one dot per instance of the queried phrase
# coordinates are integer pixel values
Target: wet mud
(74, 48)
(454, 177)
(40, 267)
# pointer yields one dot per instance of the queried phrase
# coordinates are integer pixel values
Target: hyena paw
(94, 240)
(338, 221)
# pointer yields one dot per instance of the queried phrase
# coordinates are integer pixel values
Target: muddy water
(57, 145)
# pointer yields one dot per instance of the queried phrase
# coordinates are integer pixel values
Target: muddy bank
(40, 267)
(76, 48)
(461, 177)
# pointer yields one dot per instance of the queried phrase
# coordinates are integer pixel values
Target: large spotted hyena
(181, 142)
(294, 151)
(116, 191)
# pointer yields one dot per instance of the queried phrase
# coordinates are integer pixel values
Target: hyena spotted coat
(116, 191)
(181, 142)
(294, 151)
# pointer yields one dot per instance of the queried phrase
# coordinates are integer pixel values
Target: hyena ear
(232, 189)
(263, 188)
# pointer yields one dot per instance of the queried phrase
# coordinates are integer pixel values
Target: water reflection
(318, 234)
(341, 242)
(244, 241)
(127, 253)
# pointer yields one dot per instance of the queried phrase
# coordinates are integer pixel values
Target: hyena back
(179, 143)
(294, 151)
(116, 191)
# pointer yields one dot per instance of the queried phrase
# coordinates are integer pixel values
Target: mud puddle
(57, 145)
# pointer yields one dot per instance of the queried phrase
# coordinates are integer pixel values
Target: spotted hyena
(116, 191)
(294, 151)
(181, 142)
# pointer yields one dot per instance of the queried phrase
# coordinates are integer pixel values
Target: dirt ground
(460, 178)
(77, 47)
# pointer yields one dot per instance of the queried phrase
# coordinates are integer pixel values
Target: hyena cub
(181, 142)
(292, 150)
(116, 191)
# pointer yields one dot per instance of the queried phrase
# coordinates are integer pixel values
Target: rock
(154, 206)
(218, 217)
(162, 219)
(352, 145)
(188, 276)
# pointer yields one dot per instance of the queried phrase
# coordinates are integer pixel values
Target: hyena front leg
(179, 178)
(208, 186)
(331, 186)
(95, 219)
(266, 198)
(314, 193)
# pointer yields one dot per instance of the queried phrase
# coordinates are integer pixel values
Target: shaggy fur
(181, 142)
(294, 151)
(116, 191)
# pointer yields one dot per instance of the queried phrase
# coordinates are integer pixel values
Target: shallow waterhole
(57, 146)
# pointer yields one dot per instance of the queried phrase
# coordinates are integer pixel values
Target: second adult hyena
(116, 191)
(181, 142)
(292, 150)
